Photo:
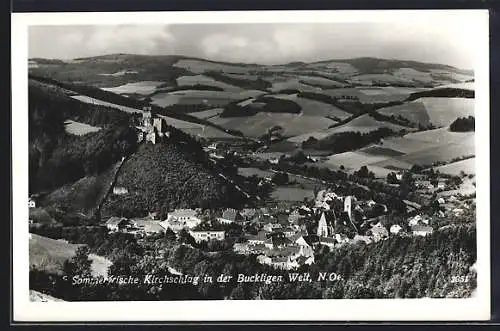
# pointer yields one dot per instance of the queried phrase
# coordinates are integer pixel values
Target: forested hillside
(164, 176)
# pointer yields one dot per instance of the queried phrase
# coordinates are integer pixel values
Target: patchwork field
(207, 113)
(414, 111)
(49, 254)
(371, 79)
(468, 166)
(200, 66)
(143, 87)
(315, 108)
(292, 84)
(320, 81)
(194, 97)
(342, 68)
(257, 125)
(398, 153)
(205, 80)
(86, 99)
(291, 194)
(443, 111)
(196, 129)
(365, 123)
(78, 128)
(413, 75)
(369, 94)
(464, 86)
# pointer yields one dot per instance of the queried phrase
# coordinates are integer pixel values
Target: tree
(79, 264)
(392, 178)
(362, 172)
(280, 178)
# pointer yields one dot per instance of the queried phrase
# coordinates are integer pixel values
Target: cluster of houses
(176, 221)
(286, 237)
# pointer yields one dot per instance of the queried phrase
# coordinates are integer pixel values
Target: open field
(373, 94)
(314, 108)
(248, 172)
(205, 80)
(443, 111)
(370, 79)
(200, 66)
(143, 87)
(49, 254)
(207, 113)
(412, 75)
(292, 84)
(468, 166)
(365, 123)
(464, 86)
(86, 99)
(292, 194)
(320, 81)
(78, 128)
(258, 124)
(196, 129)
(414, 111)
(194, 97)
(354, 160)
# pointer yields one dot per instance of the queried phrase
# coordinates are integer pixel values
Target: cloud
(448, 43)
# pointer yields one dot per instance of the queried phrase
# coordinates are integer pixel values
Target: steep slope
(165, 176)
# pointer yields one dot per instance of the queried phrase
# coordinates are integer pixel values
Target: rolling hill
(220, 100)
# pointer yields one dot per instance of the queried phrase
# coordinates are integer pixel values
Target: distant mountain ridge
(356, 61)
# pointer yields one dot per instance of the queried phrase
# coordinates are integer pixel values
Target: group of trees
(463, 124)
(400, 267)
(347, 141)
(248, 84)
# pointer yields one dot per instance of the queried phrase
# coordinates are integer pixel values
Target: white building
(395, 229)
(180, 219)
(31, 203)
(421, 230)
(206, 235)
(117, 190)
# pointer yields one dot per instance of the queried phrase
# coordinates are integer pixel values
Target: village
(286, 236)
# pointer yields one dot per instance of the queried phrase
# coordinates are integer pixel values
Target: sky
(264, 43)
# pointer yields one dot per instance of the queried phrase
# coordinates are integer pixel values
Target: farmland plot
(443, 111)
(143, 88)
(205, 80)
(199, 66)
(292, 194)
(257, 125)
(78, 128)
(413, 75)
(364, 124)
(86, 99)
(196, 129)
(314, 108)
(468, 166)
(320, 81)
(194, 97)
(414, 111)
(50, 254)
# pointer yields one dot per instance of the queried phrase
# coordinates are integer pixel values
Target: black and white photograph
(291, 161)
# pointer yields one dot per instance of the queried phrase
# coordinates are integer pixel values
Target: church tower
(322, 226)
(348, 206)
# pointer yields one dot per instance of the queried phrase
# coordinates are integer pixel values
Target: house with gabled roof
(229, 216)
(115, 224)
(421, 230)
